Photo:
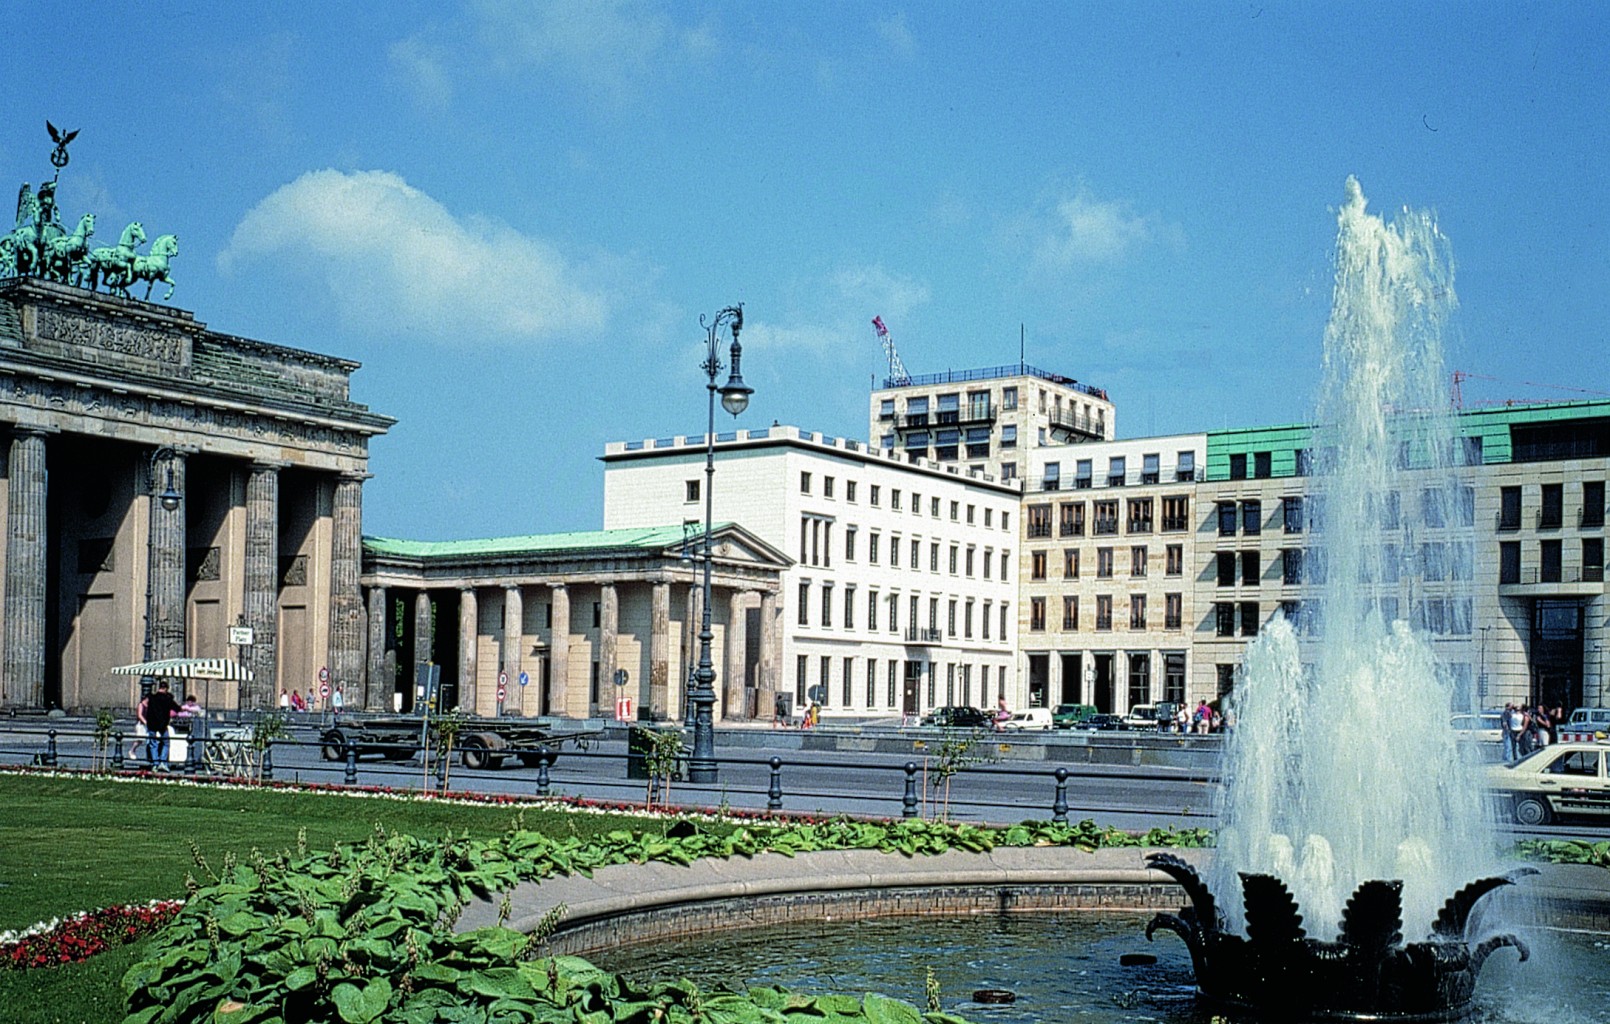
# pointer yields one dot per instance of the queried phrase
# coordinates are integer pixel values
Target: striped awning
(187, 668)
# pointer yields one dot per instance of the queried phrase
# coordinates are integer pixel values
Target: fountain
(1347, 794)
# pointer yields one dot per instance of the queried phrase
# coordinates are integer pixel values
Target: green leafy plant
(444, 730)
(101, 739)
(957, 751)
(1565, 851)
(269, 727)
(660, 760)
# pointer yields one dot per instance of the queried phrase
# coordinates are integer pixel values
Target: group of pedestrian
(1525, 728)
(292, 700)
(1201, 720)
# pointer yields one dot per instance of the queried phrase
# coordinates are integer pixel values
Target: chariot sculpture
(39, 246)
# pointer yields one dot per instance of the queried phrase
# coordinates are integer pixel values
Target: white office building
(903, 592)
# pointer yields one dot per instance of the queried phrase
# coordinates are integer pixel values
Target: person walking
(1513, 724)
(337, 702)
(155, 712)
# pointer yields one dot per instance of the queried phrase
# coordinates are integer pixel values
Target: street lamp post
(169, 498)
(735, 399)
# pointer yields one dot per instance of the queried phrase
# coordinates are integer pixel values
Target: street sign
(240, 636)
(621, 676)
(324, 674)
(324, 689)
(502, 693)
(503, 680)
(525, 678)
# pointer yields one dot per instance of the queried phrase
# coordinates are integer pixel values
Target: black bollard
(441, 771)
(1059, 807)
(268, 761)
(351, 751)
(908, 803)
(50, 749)
(545, 760)
(774, 795)
(117, 751)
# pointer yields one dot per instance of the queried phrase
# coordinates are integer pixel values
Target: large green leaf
(361, 1005)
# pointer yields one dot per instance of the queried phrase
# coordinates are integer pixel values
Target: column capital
(32, 430)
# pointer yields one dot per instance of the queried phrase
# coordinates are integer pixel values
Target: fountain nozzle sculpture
(1367, 973)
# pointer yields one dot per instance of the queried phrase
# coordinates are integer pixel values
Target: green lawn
(71, 844)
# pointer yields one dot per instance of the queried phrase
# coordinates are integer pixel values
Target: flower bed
(76, 939)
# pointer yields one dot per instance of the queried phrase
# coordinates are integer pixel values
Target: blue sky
(513, 214)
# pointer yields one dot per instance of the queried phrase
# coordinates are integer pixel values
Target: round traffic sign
(324, 674)
(324, 689)
(503, 679)
(502, 693)
(525, 678)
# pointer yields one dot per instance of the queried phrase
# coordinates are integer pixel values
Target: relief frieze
(93, 332)
(66, 399)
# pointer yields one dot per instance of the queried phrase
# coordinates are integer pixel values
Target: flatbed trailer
(481, 742)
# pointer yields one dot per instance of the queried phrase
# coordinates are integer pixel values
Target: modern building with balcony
(986, 420)
(903, 589)
(1508, 578)
(1107, 605)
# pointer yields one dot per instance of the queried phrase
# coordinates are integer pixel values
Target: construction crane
(1460, 376)
(897, 370)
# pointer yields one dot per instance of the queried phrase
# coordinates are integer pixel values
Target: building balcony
(1094, 427)
(916, 637)
(947, 418)
(1586, 581)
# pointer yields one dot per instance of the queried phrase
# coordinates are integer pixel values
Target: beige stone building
(114, 410)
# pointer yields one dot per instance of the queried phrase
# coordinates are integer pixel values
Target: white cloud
(609, 46)
(897, 35)
(838, 312)
(422, 67)
(393, 259)
(1084, 230)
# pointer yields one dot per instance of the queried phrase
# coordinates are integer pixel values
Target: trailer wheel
(475, 754)
(334, 746)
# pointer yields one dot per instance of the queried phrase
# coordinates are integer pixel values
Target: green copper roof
(648, 538)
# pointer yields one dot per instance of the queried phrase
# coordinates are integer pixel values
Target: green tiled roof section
(1492, 425)
(1282, 444)
(648, 538)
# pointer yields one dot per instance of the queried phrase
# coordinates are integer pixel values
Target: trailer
(481, 742)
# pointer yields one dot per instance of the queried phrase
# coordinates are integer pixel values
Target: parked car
(959, 717)
(1028, 718)
(1560, 780)
(1142, 716)
(1103, 723)
(1484, 727)
(1066, 716)
(1586, 725)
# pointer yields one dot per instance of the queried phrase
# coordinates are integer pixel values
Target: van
(1142, 716)
(1586, 725)
(1028, 718)
(1066, 716)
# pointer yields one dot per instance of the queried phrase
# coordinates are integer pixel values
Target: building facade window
(1137, 561)
(1176, 513)
(1039, 521)
(1104, 516)
(1291, 514)
(1137, 611)
(1140, 515)
(1172, 605)
(1104, 563)
(1249, 618)
(1251, 517)
(804, 483)
(1037, 614)
(1140, 678)
(1174, 560)
(1103, 612)
(1071, 519)
(1227, 520)
(1070, 563)
(1037, 565)
(804, 603)
(1070, 612)
(1224, 618)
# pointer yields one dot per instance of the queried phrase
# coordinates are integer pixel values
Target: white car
(1485, 727)
(1561, 779)
(1586, 725)
(1142, 716)
(1028, 718)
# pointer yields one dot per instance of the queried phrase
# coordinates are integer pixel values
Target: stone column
(609, 614)
(422, 638)
(24, 684)
(165, 557)
(377, 689)
(469, 625)
(766, 685)
(659, 651)
(513, 640)
(733, 678)
(561, 695)
(262, 581)
(346, 601)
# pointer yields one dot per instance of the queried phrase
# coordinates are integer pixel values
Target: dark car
(1103, 723)
(959, 717)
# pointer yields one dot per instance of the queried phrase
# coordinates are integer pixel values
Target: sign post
(240, 637)
(503, 690)
(623, 703)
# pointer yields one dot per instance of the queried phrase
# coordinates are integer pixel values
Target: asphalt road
(814, 782)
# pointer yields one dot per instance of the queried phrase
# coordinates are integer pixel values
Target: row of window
(959, 611)
(1139, 560)
(1432, 561)
(947, 408)
(816, 542)
(959, 511)
(1118, 471)
(1551, 506)
(1103, 519)
(1550, 562)
(1173, 605)
(866, 683)
(1460, 451)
